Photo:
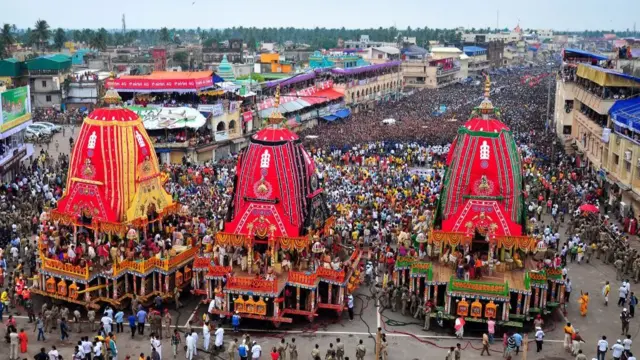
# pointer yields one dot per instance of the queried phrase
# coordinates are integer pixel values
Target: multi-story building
(84, 88)
(46, 78)
(478, 62)
(566, 90)
(441, 68)
(604, 111)
(13, 73)
(380, 55)
(364, 86)
(233, 48)
(365, 43)
(335, 60)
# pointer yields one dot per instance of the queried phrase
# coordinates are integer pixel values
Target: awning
(266, 112)
(607, 77)
(291, 106)
(626, 113)
(343, 113)
(330, 118)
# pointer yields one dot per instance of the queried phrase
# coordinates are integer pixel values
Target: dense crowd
(382, 182)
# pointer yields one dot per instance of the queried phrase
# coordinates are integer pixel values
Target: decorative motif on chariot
(261, 227)
(88, 170)
(484, 151)
(483, 224)
(483, 186)
(92, 143)
(145, 167)
(314, 182)
(262, 189)
(264, 160)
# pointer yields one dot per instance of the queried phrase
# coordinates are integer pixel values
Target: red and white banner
(247, 116)
(159, 84)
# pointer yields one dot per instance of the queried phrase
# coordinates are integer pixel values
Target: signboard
(124, 84)
(13, 161)
(247, 116)
(214, 109)
(16, 107)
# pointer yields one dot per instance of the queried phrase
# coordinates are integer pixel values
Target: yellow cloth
(584, 304)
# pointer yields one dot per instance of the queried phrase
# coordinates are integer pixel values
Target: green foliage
(181, 58)
(164, 35)
(59, 38)
(41, 33)
(255, 77)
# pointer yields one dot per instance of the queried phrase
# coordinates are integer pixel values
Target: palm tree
(41, 32)
(164, 35)
(6, 40)
(59, 38)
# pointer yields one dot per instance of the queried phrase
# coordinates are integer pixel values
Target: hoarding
(16, 108)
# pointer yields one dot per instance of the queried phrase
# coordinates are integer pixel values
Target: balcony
(442, 72)
(595, 102)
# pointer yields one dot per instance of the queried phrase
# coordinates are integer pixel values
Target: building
(85, 88)
(274, 63)
(566, 91)
(603, 129)
(225, 70)
(364, 86)
(495, 53)
(365, 43)
(338, 59)
(478, 62)
(233, 48)
(379, 55)
(46, 77)
(13, 73)
(159, 59)
(442, 67)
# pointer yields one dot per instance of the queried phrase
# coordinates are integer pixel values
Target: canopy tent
(330, 118)
(323, 96)
(626, 113)
(607, 77)
(319, 97)
(363, 69)
(165, 81)
(169, 118)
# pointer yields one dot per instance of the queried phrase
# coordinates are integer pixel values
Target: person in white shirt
(627, 343)
(603, 346)
(191, 344)
(630, 356)
(617, 350)
(195, 340)
(53, 354)
(156, 344)
(539, 338)
(106, 323)
(219, 337)
(97, 349)
(86, 346)
(256, 351)
(206, 336)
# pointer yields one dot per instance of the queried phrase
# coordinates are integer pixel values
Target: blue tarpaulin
(342, 113)
(626, 114)
(217, 79)
(330, 118)
(578, 52)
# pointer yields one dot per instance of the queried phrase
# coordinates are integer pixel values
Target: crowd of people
(382, 182)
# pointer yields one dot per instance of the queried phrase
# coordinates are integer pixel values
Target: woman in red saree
(24, 341)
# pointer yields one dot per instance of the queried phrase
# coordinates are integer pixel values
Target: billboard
(16, 108)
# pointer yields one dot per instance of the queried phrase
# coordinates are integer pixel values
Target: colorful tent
(114, 175)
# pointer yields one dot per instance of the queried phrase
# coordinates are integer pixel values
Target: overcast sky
(537, 14)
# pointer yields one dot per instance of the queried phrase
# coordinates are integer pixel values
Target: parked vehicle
(41, 129)
(51, 126)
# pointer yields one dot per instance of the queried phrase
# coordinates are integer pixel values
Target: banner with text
(16, 108)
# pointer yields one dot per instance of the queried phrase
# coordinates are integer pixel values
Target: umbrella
(589, 208)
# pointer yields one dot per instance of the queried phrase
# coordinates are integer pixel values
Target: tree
(182, 59)
(99, 40)
(78, 36)
(59, 38)
(164, 35)
(7, 37)
(41, 33)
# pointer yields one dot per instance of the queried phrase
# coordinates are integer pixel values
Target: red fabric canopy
(589, 208)
(323, 96)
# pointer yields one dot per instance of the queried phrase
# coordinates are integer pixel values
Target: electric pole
(124, 25)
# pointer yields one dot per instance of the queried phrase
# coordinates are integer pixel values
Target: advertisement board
(16, 108)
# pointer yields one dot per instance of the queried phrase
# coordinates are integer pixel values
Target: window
(627, 165)
(48, 98)
(44, 83)
(616, 159)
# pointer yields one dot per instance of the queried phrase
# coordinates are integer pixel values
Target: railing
(154, 262)
(70, 269)
(443, 72)
(302, 278)
(252, 284)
